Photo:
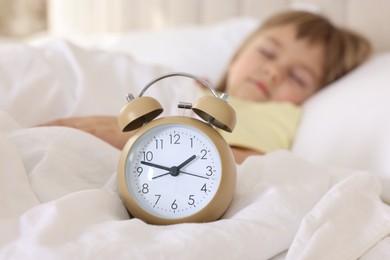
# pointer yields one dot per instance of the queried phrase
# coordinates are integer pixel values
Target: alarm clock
(176, 169)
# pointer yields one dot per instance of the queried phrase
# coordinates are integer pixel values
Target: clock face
(173, 170)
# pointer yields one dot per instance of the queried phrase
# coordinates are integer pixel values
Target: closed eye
(267, 53)
(298, 79)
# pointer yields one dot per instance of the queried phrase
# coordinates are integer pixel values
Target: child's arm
(107, 129)
(103, 127)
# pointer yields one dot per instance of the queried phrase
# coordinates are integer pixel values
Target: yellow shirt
(263, 127)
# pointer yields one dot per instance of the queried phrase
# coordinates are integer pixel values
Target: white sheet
(58, 187)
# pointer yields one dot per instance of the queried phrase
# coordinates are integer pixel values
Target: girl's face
(275, 66)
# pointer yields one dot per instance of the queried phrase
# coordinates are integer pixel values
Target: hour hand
(186, 162)
(156, 165)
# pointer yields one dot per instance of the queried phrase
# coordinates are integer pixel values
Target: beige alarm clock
(177, 169)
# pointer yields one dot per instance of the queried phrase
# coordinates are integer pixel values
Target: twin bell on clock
(177, 169)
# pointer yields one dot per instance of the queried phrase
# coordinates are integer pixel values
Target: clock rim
(223, 196)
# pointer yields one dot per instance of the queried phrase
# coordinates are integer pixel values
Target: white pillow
(348, 123)
(200, 50)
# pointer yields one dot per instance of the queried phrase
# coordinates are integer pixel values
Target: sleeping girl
(290, 57)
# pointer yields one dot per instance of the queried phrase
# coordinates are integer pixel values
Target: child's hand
(103, 127)
(240, 154)
(107, 129)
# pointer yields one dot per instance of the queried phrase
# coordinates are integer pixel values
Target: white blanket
(58, 191)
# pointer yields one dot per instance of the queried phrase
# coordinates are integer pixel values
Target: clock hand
(156, 165)
(186, 162)
(169, 168)
(174, 171)
(158, 176)
(196, 175)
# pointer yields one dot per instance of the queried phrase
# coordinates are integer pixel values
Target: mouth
(262, 87)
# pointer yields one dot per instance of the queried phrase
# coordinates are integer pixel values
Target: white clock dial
(173, 170)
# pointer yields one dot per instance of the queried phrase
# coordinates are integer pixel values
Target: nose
(274, 73)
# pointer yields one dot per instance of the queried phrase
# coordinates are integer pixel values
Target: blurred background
(20, 18)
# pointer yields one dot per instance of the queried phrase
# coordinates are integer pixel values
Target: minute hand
(156, 165)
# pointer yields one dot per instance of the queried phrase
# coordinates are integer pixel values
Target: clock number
(145, 188)
(174, 206)
(140, 170)
(204, 188)
(159, 143)
(192, 142)
(209, 171)
(174, 139)
(158, 198)
(204, 153)
(191, 200)
(148, 156)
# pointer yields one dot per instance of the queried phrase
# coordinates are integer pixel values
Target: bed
(326, 198)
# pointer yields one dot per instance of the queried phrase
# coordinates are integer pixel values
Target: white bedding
(58, 192)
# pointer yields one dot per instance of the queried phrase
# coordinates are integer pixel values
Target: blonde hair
(345, 49)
